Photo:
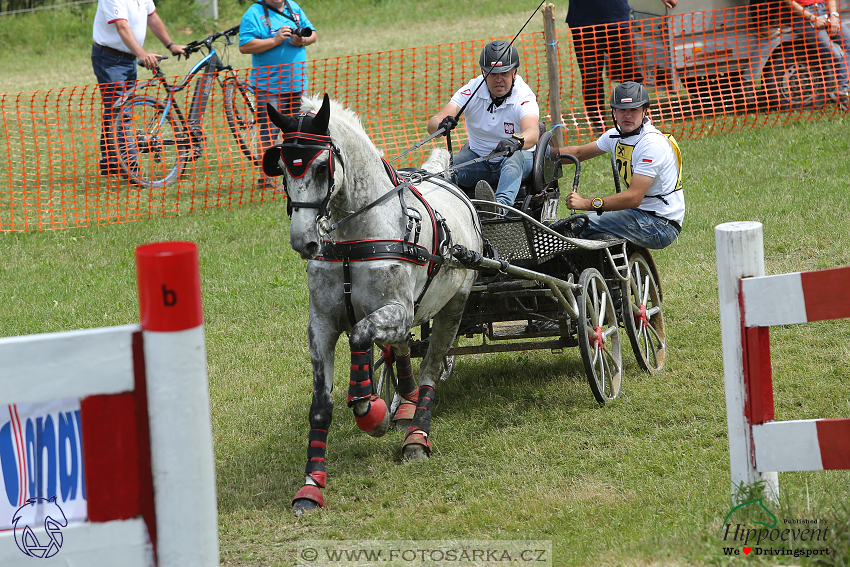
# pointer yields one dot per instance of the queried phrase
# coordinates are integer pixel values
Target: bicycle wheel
(599, 337)
(152, 143)
(240, 110)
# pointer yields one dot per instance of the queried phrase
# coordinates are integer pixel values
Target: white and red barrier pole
(740, 254)
(182, 462)
(127, 405)
(751, 303)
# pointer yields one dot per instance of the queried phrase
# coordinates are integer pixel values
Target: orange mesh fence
(707, 72)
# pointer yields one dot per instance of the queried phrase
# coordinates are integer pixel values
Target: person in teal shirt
(275, 33)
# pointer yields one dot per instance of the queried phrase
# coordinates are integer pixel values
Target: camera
(302, 32)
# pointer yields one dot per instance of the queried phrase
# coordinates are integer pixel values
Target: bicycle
(152, 138)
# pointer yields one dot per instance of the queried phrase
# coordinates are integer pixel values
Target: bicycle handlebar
(197, 45)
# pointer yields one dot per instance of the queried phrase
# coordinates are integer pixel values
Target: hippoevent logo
(751, 528)
(54, 520)
(41, 457)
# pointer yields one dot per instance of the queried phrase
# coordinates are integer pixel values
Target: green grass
(521, 449)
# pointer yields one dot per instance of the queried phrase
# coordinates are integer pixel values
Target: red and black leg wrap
(360, 384)
(316, 456)
(422, 417)
(419, 431)
(407, 387)
(315, 470)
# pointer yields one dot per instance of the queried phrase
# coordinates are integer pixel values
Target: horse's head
(306, 159)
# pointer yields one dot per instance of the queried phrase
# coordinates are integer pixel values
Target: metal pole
(208, 8)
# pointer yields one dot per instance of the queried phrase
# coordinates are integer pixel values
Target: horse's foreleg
(387, 325)
(321, 411)
(407, 390)
(417, 442)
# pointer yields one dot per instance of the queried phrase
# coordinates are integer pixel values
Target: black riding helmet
(498, 57)
(629, 95)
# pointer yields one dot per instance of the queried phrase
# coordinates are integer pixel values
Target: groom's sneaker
(483, 192)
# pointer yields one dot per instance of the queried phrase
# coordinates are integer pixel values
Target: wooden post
(740, 254)
(552, 67)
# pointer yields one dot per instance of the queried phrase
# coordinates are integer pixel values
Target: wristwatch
(597, 204)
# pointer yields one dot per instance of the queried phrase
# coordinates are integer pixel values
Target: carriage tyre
(643, 317)
(544, 171)
(599, 337)
(151, 142)
(240, 109)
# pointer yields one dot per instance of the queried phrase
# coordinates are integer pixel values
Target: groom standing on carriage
(501, 118)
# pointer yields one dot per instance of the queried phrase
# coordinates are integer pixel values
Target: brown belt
(116, 52)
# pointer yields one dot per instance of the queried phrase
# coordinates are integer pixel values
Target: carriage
(540, 290)
(389, 252)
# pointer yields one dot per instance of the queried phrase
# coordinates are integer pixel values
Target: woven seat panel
(509, 240)
(547, 246)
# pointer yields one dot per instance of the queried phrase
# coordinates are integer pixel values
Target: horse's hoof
(307, 499)
(382, 428)
(304, 505)
(402, 423)
(417, 446)
(413, 453)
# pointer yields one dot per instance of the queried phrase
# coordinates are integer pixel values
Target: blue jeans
(285, 103)
(820, 39)
(505, 176)
(115, 76)
(634, 225)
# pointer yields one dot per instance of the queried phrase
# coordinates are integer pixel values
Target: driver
(651, 210)
(501, 117)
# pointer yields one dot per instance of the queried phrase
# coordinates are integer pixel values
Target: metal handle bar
(197, 45)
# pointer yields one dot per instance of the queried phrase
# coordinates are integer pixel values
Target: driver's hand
(511, 145)
(447, 124)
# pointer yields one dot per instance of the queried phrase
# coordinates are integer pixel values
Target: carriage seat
(542, 180)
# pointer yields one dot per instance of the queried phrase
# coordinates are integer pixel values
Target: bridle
(297, 151)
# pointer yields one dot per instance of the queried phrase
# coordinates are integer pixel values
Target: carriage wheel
(599, 337)
(385, 385)
(644, 320)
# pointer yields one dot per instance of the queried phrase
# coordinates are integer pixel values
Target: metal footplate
(620, 262)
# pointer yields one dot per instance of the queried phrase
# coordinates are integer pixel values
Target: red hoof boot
(417, 446)
(307, 499)
(404, 411)
(376, 421)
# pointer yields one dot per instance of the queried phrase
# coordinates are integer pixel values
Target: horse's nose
(309, 251)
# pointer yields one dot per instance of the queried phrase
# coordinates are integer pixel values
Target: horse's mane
(339, 113)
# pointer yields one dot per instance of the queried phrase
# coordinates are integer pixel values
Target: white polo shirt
(135, 12)
(651, 154)
(486, 129)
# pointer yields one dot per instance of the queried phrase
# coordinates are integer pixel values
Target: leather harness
(406, 249)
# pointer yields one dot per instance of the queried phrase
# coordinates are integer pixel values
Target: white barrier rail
(750, 303)
(133, 407)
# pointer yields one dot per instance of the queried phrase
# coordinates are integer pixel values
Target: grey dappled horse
(376, 268)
